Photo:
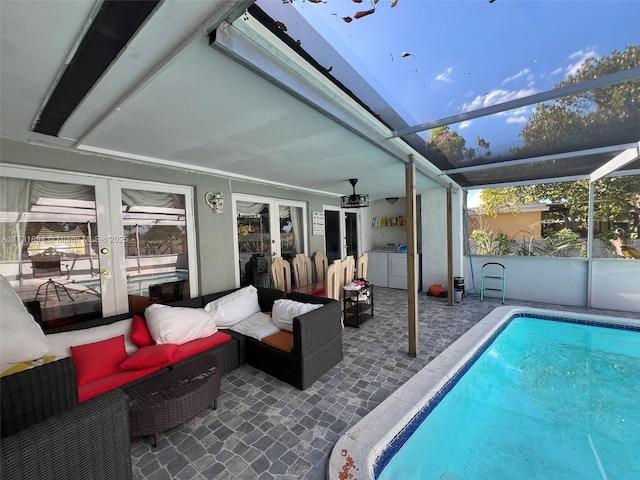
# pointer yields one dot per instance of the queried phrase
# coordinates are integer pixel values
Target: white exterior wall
(564, 281)
(434, 236)
(616, 284)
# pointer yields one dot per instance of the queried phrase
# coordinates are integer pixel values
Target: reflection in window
(49, 248)
(254, 243)
(155, 236)
(291, 231)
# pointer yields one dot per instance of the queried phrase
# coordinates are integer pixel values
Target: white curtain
(298, 224)
(14, 200)
(249, 208)
(143, 198)
(54, 190)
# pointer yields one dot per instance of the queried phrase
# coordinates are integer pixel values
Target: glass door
(266, 228)
(254, 249)
(156, 245)
(77, 247)
(292, 225)
(351, 234)
(333, 236)
(52, 234)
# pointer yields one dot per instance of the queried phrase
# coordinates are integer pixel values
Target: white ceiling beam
(616, 163)
(147, 209)
(66, 202)
(543, 158)
(62, 210)
(573, 89)
(56, 217)
(538, 181)
(149, 216)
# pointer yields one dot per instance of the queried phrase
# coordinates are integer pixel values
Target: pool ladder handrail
(502, 277)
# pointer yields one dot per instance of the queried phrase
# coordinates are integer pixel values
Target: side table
(357, 304)
(173, 397)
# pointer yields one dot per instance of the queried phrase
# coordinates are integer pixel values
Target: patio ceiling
(258, 106)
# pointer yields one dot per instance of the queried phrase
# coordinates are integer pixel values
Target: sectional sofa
(51, 412)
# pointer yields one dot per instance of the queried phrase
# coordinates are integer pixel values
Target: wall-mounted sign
(318, 223)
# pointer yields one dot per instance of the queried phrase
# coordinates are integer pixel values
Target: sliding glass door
(77, 247)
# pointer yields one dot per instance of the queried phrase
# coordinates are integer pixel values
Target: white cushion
(234, 307)
(284, 311)
(258, 326)
(21, 338)
(178, 324)
(59, 343)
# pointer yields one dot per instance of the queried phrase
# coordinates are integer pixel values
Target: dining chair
(348, 269)
(362, 264)
(281, 273)
(333, 284)
(322, 264)
(302, 270)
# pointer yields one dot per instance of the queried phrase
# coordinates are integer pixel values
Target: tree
(453, 146)
(605, 113)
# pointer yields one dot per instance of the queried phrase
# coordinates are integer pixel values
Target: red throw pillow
(99, 359)
(140, 334)
(152, 356)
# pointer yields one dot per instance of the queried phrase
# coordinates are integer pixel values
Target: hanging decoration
(215, 201)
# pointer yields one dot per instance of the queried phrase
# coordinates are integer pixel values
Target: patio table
(173, 397)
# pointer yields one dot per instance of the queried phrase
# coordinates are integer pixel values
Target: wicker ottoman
(173, 397)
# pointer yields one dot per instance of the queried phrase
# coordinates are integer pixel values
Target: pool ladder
(497, 272)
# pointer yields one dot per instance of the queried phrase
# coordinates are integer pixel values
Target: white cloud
(517, 119)
(496, 96)
(465, 124)
(576, 59)
(518, 115)
(445, 76)
(521, 73)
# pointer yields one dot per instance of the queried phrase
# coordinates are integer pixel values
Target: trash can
(458, 284)
(457, 295)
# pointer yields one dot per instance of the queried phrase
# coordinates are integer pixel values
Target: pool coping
(355, 454)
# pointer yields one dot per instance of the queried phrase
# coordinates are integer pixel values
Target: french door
(266, 228)
(86, 246)
(342, 235)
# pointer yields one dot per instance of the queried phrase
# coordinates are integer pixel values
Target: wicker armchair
(47, 434)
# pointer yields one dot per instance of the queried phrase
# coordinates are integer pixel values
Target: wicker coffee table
(173, 397)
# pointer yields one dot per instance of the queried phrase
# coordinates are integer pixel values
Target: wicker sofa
(48, 434)
(317, 340)
(53, 435)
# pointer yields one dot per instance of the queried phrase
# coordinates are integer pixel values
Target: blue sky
(465, 55)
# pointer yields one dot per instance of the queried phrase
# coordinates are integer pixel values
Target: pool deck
(266, 429)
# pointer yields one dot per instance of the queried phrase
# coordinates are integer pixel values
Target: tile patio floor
(264, 428)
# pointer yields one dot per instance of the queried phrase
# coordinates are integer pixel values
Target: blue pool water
(140, 285)
(545, 400)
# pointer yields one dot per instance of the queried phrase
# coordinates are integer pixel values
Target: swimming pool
(460, 390)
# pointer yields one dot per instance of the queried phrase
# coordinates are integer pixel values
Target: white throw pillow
(284, 311)
(21, 338)
(234, 307)
(59, 343)
(178, 324)
(258, 326)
